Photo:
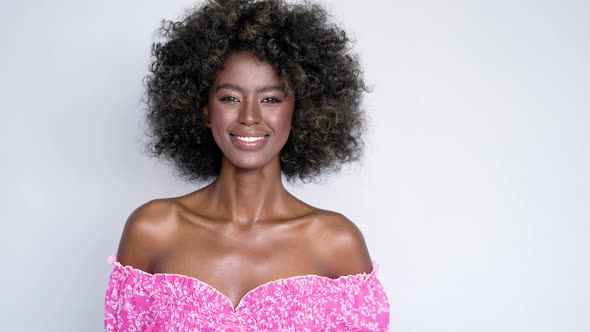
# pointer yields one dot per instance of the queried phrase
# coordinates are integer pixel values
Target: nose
(250, 113)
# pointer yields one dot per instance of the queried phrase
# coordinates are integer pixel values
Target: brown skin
(244, 229)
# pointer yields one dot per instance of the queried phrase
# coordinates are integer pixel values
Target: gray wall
(474, 195)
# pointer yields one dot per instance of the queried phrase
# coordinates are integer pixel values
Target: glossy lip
(256, 145)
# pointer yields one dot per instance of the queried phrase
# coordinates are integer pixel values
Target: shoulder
(147, 232)
(340, 244)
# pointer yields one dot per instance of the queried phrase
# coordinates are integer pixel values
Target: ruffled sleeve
(359, 303)
(128, 300)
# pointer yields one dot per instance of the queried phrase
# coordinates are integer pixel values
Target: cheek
(281, 121)
(218, 121)
(220, 118)
(214, 113)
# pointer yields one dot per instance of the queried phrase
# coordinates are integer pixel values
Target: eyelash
(233, 99)
(272, 100)
(230, 99)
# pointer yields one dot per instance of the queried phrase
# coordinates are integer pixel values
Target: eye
(271, 100)
(229, 99)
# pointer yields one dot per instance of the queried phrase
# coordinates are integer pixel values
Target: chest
(236, 263)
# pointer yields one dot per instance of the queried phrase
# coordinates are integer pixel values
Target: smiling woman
(244, 92)
(249, 113)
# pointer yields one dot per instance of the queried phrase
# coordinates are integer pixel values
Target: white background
(473, 197)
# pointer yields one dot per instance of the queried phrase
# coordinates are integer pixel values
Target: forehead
(245, 69)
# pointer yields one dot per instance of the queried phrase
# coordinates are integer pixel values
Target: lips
(249, 140)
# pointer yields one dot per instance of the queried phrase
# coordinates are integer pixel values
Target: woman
(243, 93)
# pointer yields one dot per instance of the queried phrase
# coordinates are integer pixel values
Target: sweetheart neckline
(113, 260)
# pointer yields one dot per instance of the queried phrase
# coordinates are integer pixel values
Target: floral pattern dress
(139, 301)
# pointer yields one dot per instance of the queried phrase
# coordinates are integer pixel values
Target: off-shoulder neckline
(112, 259)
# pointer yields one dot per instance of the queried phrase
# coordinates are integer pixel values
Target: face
(249, 112)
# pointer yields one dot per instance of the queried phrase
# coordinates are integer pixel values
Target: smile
(249, 139)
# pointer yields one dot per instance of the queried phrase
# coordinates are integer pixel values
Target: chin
(249, 164)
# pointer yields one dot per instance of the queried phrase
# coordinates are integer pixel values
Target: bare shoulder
(146, 233)
(340, 244)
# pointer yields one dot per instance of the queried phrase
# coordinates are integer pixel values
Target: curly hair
(311, 55)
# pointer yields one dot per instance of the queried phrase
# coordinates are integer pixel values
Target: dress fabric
(139, 301)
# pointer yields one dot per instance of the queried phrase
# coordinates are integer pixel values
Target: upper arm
(145, 234)
(342, 246)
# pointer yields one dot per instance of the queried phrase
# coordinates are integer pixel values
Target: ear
(206, 119)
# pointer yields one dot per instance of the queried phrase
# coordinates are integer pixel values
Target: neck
(248, 196)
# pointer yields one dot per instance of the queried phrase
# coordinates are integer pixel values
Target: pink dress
(140, 301)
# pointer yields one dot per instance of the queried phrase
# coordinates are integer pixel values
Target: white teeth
(249, 139)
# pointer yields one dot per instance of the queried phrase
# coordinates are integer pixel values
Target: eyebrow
(266, 88)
